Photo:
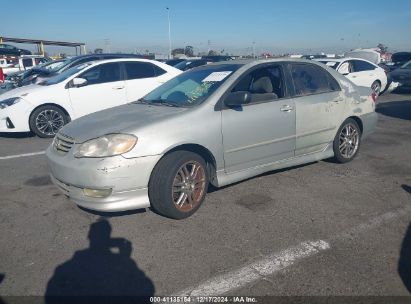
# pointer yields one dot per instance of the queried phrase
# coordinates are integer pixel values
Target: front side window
(310, 79)
(264, 84)
(191, 88)
(103, 73)
(361, 66)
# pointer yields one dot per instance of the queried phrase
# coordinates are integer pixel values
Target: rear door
(263, 131)
(319, 102)
(105, 89)
(141, 78)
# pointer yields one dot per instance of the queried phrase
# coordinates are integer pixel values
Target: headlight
(107, 145)
(9, 102)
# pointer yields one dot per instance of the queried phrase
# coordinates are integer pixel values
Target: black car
(189, 64)
(402, 75)
(217, 58)
(174, 62)
(10, 50)
(399, 59)
(36, 73)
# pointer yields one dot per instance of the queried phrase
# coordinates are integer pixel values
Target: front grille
(63, 143)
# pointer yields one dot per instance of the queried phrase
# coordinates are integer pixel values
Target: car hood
(24, 92)
(122, 119)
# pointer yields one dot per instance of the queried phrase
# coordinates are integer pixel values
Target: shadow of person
(404, 264)
(406, 188)
(104, 269)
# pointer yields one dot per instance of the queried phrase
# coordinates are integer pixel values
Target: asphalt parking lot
(317, 229)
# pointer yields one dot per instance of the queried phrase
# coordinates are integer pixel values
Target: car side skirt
(224, 179)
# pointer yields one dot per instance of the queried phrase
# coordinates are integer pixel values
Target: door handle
(354, 76)
(118, 88)
(286, 108)
(337, 100)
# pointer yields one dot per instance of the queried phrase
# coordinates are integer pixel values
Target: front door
(104, 89)
(263, 131)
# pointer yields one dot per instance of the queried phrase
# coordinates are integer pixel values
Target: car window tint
(310, 79)
(138, 70)
(108, 72)
(158, 71)
(264, 84)
(360, 66)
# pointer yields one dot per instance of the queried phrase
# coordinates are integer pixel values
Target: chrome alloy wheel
(376, 87)
(49, 122)
(349, 141)
(189, 186)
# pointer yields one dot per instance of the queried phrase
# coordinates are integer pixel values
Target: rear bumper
(369, 122)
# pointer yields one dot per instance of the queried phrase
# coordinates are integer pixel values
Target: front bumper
(128, 179)
(16, 117)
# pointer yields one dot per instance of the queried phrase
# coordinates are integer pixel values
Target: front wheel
(347, 141)
(178, 184)
(47, 120)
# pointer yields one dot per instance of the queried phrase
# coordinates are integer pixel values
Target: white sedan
(44, 108)
(362, 72)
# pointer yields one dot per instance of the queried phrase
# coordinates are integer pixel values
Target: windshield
(407, 65)
(191, 88)
(66, 74)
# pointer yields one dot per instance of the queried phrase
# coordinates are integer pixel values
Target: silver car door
(262, 131)
(318, 102)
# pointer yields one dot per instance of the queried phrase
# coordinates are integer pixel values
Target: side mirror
(79, 82)
(236, 99)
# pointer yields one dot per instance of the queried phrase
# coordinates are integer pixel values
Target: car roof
(94, 62)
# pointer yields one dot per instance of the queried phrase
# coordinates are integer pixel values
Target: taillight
(374, 96)
(1, 75)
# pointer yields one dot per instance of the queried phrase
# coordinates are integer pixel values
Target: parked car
(71, 62)
(398, 60)
(217, 58)
(219, 124)
(189, 64)
(173, 62)
(93, 86)
(24, 63)
(7, 49)
(402, 75)
(359, 71)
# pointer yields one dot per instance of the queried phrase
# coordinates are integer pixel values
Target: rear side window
(310, 79)
(139, 70)
(360, 66)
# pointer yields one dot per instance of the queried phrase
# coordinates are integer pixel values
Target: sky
(231, 26)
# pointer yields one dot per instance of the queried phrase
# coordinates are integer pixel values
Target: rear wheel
(376, 87)
(47, 120)
(347, 141)
(179, 184)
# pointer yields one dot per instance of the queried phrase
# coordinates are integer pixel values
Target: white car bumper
(16, 117)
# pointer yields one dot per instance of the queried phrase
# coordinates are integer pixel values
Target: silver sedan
(219, 124)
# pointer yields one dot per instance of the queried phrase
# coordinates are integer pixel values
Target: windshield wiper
(158, 102)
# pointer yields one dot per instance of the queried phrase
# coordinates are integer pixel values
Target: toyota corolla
(219, 124)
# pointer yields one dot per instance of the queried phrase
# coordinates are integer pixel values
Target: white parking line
(22, 155)
(257, 270)
(273, 263)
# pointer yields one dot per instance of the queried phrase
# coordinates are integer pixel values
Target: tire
(169, 194)
(376, 87)
(347, 152)
(47, 120)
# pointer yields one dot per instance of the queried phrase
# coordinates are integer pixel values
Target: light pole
(169, 33)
